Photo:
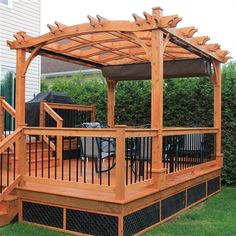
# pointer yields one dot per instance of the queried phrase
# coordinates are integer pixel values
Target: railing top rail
(131, 133)
(70, 106)
(9, 140)
(73, 132)
(7, 107)
(182, 130)
(52, 113)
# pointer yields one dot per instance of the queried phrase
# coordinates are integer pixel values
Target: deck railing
(184, 148)
(116, 160)
(9, 161)
(7, 118)
(65, 115)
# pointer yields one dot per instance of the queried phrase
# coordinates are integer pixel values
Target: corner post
(20, 88)
(217, 83)
(111, 86)
(157, 100)
(120, 163)
(1, 120)
(21, 156)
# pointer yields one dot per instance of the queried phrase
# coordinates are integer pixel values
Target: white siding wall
(21, 15)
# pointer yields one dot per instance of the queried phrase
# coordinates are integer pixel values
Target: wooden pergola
(153, 38)
(168, 180)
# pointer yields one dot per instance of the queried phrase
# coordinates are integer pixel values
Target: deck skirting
(76, 215)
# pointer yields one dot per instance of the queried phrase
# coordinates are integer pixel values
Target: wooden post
(21, 156)
(217, 108)
(1, 120)
(111, 86)
(93, 115)
(41, 114)
(59, 144)
(20, 88)
(120, 163)
(157, 100)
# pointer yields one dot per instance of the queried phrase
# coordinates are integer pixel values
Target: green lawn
(216, 216)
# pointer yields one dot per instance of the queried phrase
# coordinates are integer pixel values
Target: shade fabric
(172, 69)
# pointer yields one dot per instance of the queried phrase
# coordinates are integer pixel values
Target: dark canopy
(172, 69)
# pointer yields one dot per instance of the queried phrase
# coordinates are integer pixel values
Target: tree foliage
(187, 102)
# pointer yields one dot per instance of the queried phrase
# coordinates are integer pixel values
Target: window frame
(9, 3)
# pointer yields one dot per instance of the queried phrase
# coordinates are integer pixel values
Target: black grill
(91, 223)
(213, 185)
(42, 214)
(172, 204)
(139, 220)
(196, 193)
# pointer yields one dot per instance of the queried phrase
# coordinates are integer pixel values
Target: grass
(216, 216)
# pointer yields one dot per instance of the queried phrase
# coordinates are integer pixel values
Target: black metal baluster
(1, 173)
(30, 143)
(14, 161)
(62, 166)
(151, 158)
(100, 164)
(85, 157)
(55, 157)
(92, 160)
(42, 157)
(147, 156)
(8, 166)
(127, 162)
(77, 159)
(109, 162)
(36, 156)
(70, 157)
(49, 154)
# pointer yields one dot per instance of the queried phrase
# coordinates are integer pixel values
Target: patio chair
(98, 150)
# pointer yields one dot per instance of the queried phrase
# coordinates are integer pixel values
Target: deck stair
(9, 208)
(43, 155)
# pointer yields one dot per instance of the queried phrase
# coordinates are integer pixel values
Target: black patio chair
(100, 150)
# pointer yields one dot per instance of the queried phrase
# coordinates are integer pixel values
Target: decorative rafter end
(93, 21)
(138, 19)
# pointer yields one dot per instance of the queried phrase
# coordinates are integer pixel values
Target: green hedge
(187, 102)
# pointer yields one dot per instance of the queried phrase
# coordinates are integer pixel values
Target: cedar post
(1, 119)
(21, 156)
(157, 100)
(111, 86)
(217, 110)
(120, 163)
(20, 88)
(20, 110)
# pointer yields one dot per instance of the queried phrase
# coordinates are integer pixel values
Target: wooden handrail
(9, 140)
(71, 106)
(6, 106)
(72, 132)
(53, 114)
(182, 130)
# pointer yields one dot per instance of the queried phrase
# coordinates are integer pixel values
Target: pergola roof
(102, 42)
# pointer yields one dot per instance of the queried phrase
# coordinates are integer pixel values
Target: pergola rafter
(124, 41)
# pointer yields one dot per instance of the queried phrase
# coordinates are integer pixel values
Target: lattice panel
(173, 204)
(213, 185)
(43, 214)
(196, 193)
(139, 220)
(91, 223)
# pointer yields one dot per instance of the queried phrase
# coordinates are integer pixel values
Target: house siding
(21, 15)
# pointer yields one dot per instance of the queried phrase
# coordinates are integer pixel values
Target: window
(7, 90)
(5, 2)
(7, 84)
